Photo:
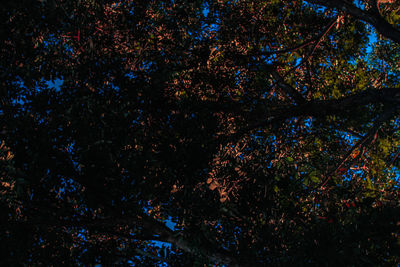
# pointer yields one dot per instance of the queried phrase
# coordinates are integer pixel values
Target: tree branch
(317, 108)
(373, 18)
(152, 228)
(367, 139)
(292, 92)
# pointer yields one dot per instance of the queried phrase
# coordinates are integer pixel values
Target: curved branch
(289, 90)
(153, 230)
(318, 108)
(368, 139)
(373, 18)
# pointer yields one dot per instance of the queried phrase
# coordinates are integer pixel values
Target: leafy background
(184, 133)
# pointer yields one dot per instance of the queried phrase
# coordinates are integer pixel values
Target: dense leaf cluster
(184, 133)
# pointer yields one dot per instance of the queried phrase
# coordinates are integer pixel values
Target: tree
(236, 133)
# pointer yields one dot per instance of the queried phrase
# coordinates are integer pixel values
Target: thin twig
(371, 135)
(320, 39)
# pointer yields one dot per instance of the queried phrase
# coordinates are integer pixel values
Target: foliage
(191, 133)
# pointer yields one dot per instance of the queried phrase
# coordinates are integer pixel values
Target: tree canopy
(200, 133)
